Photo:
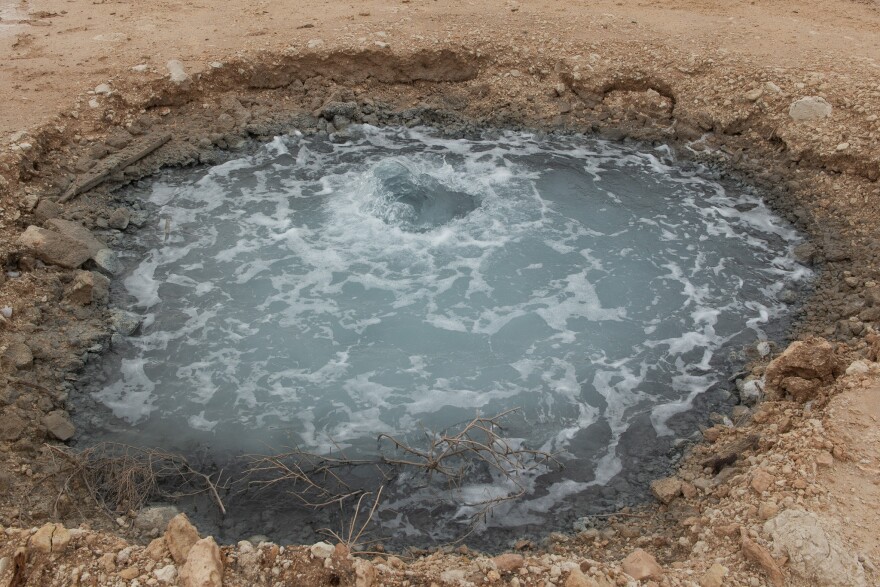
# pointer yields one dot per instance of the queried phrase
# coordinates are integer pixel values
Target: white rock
(763, 348)
(812, 553)
(809, 108)
(94, 103)
(168, 574)
(321, 550)
(772, 88)
(103, 89)
(141, 68)
(315, 43)
(857, 368)
(176, 72)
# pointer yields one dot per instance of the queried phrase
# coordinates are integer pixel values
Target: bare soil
(715, 81)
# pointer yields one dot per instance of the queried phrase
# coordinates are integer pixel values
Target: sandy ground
(55, 52)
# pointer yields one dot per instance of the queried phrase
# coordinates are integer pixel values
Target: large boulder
(203, 567)
(180, 536)
(54, 248)
(77, 232)
(802, 368)
(812, 553)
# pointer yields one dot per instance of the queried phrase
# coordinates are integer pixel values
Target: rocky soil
(784, 490)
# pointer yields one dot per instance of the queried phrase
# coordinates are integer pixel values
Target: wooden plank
(118, 162)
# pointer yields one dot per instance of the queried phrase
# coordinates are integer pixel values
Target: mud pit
(797, 166)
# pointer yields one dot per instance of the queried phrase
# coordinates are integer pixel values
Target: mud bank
(816, 160)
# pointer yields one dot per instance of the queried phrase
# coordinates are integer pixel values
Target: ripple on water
(321, 293)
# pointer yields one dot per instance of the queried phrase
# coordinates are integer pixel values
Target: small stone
(103, 89)
(762, 481)
(176, 73)
(365, 573)
(107, 262)
(576, 578)
(315, 43)
(758, 554)
(154, 517)
(119, 219)
(88, 287)
(809, 108)
(17, 356)
(203, 567)
(166, 574)
(714, 577)
(753, 95)
(763, 349)
(857, 368)
(156, 549)
(767, 510)
(50, 538)
(58, 425)
(666, 490)
(508, 562)
(11, 427)
(824, 459)
(842, 146)
(47, 209)
(688, 491)
(141, 68)
(321, 550)
(128, 573)
(180, 536)
(641, 565)
(772, 88)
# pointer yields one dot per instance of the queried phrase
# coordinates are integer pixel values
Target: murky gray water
(319, 294)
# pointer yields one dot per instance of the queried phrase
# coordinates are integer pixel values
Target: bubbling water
(319, 293)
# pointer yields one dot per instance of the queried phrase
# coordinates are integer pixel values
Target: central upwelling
(319, 293)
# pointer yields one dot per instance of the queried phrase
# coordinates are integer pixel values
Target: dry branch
(121, 478)
(475, 447)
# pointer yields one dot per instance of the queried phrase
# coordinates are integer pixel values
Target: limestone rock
(364, 572)
(50, 538)
(17, 356)
(813, 554)
(155, 517)
(176, 73)
(54, 248)
(203, 567)
(47, 209)
(714, 577)
(666, 490)
(812, 359)
(119, 219)
(166, 574)
(508, 562)
(77, 232)
(576, 578)
(156, 549)
(809, 108)
(758, 554)
(641, 565)
(107, 262)
(89, 287)
(321, 550)
(11, 427)
(180, 536)
(58, 425)
(762, 481)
